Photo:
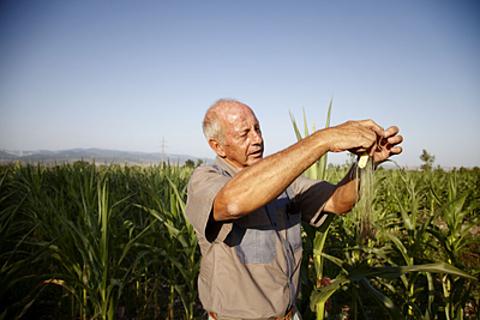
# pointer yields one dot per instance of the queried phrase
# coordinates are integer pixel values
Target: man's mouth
(257, 153)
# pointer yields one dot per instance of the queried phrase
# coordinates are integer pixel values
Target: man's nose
(256, 137)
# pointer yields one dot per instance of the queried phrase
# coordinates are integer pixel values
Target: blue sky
(127, 74)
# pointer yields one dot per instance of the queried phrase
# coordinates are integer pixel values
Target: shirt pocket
(257, 247)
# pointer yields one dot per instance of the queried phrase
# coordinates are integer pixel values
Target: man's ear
(217, 147)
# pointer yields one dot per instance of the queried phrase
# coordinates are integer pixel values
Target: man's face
(243, 143)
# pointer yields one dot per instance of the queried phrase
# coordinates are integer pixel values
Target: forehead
(239, 117)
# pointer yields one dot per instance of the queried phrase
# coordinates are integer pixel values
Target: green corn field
(80, 241)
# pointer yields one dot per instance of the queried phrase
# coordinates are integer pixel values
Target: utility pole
(164, 146)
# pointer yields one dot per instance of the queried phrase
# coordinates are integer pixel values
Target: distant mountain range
(100, 156)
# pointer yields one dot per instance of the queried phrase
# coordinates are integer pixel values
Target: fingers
(384, 154)
(371, 131)
(396, 150)
(388, 144)
(393, 130)
(369, 142)
(395, 140)
(373, 125)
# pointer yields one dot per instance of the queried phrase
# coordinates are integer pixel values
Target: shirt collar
(224, 165)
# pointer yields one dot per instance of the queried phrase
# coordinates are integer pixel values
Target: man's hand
(360, 137)
(355, 136)
(363, 136)
(387, 145)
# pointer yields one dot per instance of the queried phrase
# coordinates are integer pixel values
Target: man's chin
(254, 158)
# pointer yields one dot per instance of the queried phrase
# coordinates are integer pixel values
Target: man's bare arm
(255, 186)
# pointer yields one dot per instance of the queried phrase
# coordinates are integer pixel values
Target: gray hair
(212, 122)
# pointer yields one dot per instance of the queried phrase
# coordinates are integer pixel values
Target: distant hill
(100, 156)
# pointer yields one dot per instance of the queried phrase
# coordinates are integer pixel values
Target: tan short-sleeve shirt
(250, 266)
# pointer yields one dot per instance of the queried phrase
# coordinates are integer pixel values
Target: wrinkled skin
(243, 142)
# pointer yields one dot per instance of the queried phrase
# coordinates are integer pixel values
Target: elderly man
(247, 210)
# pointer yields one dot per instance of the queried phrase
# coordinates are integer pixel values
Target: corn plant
(84, 229)
(404, 239)
(318, 172)
(397, 264)
(454, 239)
(18, 256)
(179, 249)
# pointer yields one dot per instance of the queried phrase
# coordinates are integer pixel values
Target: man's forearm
(346, 195)
(255, 186)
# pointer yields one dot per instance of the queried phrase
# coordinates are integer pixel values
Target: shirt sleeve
(311, 196)
(202, 189)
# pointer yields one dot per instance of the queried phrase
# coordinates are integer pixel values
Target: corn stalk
(318, 172)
